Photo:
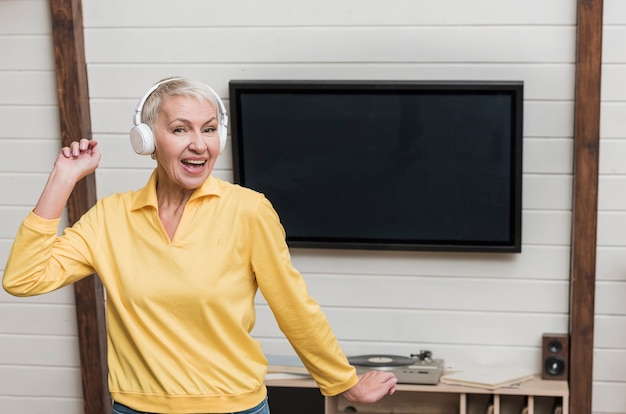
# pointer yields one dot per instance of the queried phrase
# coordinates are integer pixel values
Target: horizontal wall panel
(10, 219)
(37, 404)
(35, 319)
(547, 192)
(608, 397)
(32, 52)
(610, 263)
(40, 382)
(536, 262)
(22, 189)
(611, 190)
(613, 89)
(37, 23)
(610, 298)
(548, 155)
(610, 331)
(119, 181)
(28, 156)
(113, 117)
(41, 90)
(59, 351)
(609, 365)
(613, 155)
(549, 119)
(472, 295)
(610, 229)
(395, 325)
(612, 120)
(553, 228)
(5, 247)
(613, 40)
(42, 121)
(146, 13)
(541, 81)
(512, 44)
(614, 13)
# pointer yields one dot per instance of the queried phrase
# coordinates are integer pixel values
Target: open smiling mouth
(194, 163)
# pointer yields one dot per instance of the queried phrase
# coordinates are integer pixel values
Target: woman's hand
(372, 386)
(79, 159)
(74, 162)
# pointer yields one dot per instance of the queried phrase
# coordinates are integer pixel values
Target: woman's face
(187, 142)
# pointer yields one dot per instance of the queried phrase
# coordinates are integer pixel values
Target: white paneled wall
(480, 309)
(470, 309)
(39, 362)
(609, 388)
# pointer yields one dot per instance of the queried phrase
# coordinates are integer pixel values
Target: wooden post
(585, 209)
(73, 97)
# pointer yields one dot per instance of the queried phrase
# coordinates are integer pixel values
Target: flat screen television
(395, 165)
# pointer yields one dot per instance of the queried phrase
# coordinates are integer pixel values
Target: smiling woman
(182, 260)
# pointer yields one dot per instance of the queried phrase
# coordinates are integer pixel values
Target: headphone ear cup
(142, 139)
(222, 132)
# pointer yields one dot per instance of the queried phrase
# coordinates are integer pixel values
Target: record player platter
(380, 360)
(418, 369)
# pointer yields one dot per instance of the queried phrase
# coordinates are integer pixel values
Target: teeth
(196, 162)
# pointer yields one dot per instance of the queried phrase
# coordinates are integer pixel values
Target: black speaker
(555, 351)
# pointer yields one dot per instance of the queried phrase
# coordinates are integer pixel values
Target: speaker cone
(554, 366)
(555, 347)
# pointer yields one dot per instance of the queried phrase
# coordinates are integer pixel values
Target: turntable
(416, 369)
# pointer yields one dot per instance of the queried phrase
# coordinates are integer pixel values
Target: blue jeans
(262, 408)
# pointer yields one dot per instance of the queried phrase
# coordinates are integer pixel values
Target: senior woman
(181, 261)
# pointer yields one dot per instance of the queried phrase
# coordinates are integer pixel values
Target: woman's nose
(197, 141)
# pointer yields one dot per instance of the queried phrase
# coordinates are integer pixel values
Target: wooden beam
(585, 202)
(73, 97)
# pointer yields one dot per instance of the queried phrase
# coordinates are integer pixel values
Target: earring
(153, 156)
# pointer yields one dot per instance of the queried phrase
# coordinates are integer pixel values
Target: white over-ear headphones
(142, 137)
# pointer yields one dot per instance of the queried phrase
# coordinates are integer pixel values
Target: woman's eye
(179, 130)
(209, 130)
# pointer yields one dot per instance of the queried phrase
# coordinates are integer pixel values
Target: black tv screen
(397, 165)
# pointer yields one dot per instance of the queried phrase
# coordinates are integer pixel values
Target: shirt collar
(147, 195)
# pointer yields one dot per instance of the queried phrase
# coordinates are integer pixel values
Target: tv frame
(513, 88)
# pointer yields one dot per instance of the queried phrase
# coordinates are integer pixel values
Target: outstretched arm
(78, 160)
(372, 386)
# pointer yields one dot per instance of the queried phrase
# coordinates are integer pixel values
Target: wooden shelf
(535, 396)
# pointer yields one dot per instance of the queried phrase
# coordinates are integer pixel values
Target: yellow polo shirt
(180, 312)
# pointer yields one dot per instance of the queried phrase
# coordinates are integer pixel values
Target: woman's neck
(171, 205)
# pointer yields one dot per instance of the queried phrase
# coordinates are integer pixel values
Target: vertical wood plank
(73, 97)
(584, 226)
